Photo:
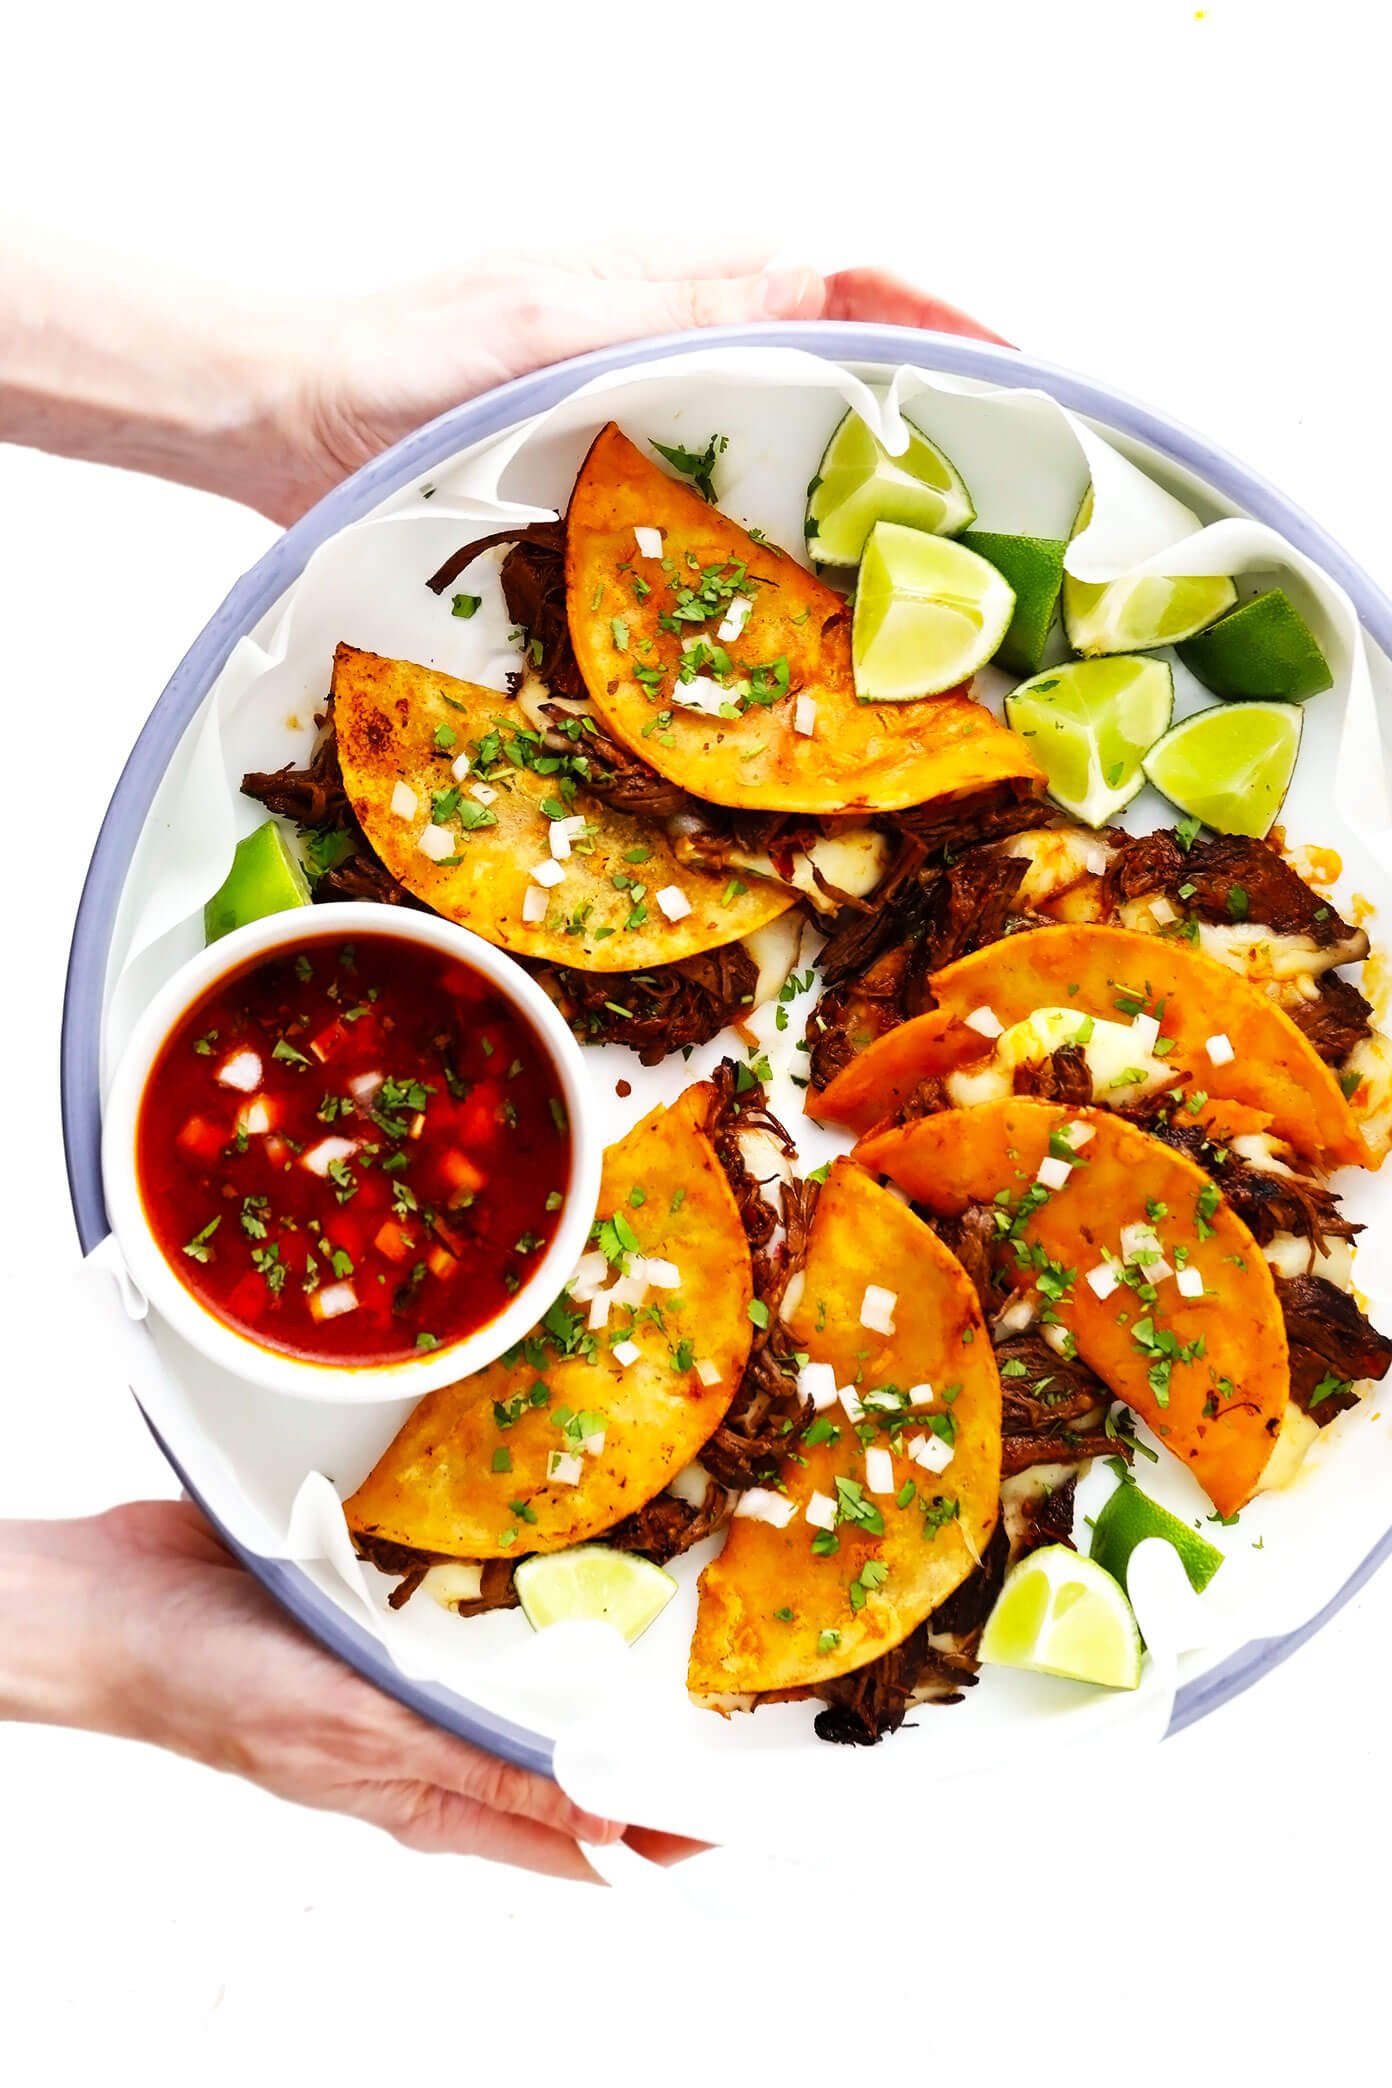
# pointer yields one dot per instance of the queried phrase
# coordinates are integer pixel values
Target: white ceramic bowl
(410, 1376)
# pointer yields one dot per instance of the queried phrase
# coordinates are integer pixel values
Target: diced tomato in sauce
(443, 1186)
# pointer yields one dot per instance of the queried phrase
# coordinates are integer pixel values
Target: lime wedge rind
(1230, 765)
(928, 614)
(1060, 1614)
(1262, 650)
(1033, 567)
(1128, 1517)
(590, 1583)
(266, 877)
(858, 483)
(1089, 724)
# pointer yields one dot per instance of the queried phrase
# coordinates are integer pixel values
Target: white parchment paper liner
(627, 1740)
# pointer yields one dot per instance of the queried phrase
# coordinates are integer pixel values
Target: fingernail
(792, 293)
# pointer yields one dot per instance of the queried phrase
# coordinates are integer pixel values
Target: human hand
(368, 370)
(139, 1623)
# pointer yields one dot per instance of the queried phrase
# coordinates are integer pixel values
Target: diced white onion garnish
(706, 1371)
(535, 905)
(593, 1444)
(1102, 1280)
(1139, 1242)
(242, 1071)
(661, 1275)
(673, 902)
(1219, 1049)
(437, 842)
(985, 1021)
(404, 801)
(599, 1311)
(1162, 911)
(563, 1469)
(1020, 1313)
(460, 767)
(546, 873)
(625, 1352)
(821, 1511)
(817, 1382)
(930, 1451)
(1078, 1134)
(1059, 1339)
(632, 1289)
(920, 1395)
(483, 794)
(558, 841)
(702, 694)
(736, 617)
(320, 1158)
(1054, 1172)
(255, 1117)
(851, 1404)
(648, 540)
(363, 1086)
(590, 1272)
(333, 1301)
(877, 1308)
(805, 716)
(1145, 1029)
(761, 1504)
(1096, 858)
(879, 1472)
(1189, 1282)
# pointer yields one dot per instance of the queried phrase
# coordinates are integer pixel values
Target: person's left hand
(363, 372)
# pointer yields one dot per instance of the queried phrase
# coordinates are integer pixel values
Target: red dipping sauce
(354, 1152)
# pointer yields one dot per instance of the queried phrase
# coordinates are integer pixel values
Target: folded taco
(726, 665)
(887, 1494)
(1096, 1014)
(585, 1424)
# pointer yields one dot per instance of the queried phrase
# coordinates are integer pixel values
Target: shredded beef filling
(1064, 1076)
(665, 1527)
(1052, 1408)
(1228, 878)
(1266, 1203)
(1332, 1345)
(1338, 1020)
(660, 1010)
(496, 1590)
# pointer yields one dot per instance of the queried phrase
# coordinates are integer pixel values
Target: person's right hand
(139, 1623)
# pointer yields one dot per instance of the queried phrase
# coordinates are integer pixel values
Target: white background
(1192, 207)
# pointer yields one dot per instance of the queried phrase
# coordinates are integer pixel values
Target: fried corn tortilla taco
(474, 814)
(1113, 1017)
(726, 665)
(604, 1403)
(887, 1499)
(1131, 1251)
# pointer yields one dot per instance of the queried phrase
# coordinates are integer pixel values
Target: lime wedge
(1089, 724)
(1263, 648)
(1033, 566)
(1060, 1614)
(1118, 616)
(594, 1584)
(927, 614)
(1230, 765)
(858, 484)
(1128, 1517)
(265, 878)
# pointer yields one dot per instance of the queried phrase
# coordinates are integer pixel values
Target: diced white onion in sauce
(1054, 1172)
(563, 1469)
(984, 1021)
(1219, 1049)
(1102, 1280)
(363, 1086)
(625, 1352)
(877, 1308)
(648, 540)
(821, 1511)
(256, 1117)
(761, 1504)
(662, 1275)
(460, 766)
(706, 1371)
(333, 1301)
(404, 801)
(437, 842)
(318, 1159)
(736, 617)
(805, 716)
(930, 1451)
(879, 1471)
(673, 902)
(535, 905)
(1189, 1282)
(242, 1071)
(1145, 1030)
(546, 873)
(817, 1382)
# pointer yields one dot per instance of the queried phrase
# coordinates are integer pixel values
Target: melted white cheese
(854, 862)
(1113, 1051)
